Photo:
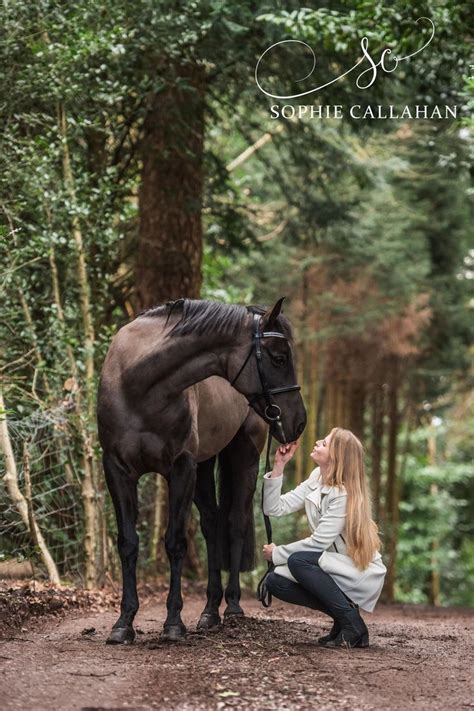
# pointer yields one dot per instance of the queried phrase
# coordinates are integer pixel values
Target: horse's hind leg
(122, 486)
(181, 482)
(205, 500)
(239, 462)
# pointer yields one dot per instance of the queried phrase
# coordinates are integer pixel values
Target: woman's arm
(273, 503)
(330, 526)
(276, 505)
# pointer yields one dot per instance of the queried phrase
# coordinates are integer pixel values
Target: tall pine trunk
(92, 484)
(357, 395)
(303, 374)
(377, 434)
(170, 196)
(392, 500)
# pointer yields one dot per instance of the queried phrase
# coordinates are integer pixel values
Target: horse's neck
(182, 361)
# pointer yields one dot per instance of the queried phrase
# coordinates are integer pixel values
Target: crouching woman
(338, 568)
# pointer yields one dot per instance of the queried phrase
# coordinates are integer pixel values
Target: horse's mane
(204, 317)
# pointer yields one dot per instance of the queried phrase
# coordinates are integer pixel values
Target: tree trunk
(311, 394)
(93, 485)
(312, 402)
(357, 407)
(377, 433)
(34, 339)
(299, 456)
(82, 275)
(340, 388)
(192, 562)
(435, 580)
(302, 374)
(170, 196)
(157, 553)
(87, 480)
(322, 404)
(23, 504)
(392, 499)
(329, 407)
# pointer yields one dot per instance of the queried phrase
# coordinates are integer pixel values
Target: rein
(263, 593)
(272, 413)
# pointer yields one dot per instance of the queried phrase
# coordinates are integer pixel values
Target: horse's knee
(176, 546)
(209, 524)
(128, 545)
(237, 527)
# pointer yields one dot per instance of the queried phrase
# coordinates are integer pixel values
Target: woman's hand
(284, 453)
(267, 551)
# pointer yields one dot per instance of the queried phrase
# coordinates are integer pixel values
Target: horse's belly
(220, 411)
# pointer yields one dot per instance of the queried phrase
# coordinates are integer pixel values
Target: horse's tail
(226, 498)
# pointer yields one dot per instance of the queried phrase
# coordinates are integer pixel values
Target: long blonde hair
(346, 469)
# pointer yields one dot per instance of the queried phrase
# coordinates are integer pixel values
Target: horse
(179, 388)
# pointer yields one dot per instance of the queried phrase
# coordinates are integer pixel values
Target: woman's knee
(275, 582)
(294, 561)
(270, 581)
(303, 558)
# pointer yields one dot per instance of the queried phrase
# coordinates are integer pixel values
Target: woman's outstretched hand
(285, 452)
(267, 551)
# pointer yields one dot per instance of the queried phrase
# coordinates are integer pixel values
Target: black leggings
(315, 588)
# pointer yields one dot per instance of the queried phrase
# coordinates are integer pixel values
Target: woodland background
(138, 164)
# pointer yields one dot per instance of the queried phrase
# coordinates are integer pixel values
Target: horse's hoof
(121, 635)
(233, 614)
(173, 633)
(208, 620)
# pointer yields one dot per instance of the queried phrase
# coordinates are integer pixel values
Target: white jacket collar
(314, 478)
(315, 481)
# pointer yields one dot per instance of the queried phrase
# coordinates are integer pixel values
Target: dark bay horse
(166, 404)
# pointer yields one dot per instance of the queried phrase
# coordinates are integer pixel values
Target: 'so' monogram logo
(387, 63)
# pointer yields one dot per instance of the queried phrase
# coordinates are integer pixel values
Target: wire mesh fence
(48, 481)
(47, 461)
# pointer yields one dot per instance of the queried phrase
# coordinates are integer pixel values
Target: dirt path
(419, 658)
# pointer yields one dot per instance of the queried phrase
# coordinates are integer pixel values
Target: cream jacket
(326, 511)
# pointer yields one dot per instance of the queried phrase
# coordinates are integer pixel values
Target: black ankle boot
(336, 628)
(354, 632)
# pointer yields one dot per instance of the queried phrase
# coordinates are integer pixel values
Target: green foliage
(435, 532)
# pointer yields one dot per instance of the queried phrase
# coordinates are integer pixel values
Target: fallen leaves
(20, 602)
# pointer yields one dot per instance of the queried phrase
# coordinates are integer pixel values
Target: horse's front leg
(240, 525)
(205, 500)
(240, 462)
(181, 485)
(122, 485)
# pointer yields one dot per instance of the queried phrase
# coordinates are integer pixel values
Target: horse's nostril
(300, 428)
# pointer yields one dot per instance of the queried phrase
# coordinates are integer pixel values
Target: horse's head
(262, 368)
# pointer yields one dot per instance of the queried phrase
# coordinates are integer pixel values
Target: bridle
(272, 411)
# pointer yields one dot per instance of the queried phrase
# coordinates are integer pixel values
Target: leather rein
(272, 413)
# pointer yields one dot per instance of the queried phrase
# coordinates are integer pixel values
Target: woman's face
(320, 453)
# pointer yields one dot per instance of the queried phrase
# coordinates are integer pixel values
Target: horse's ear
(270, 316)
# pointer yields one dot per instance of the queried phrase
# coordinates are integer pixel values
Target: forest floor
(419, 658)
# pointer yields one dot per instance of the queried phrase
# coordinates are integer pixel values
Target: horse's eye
(279, 360)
